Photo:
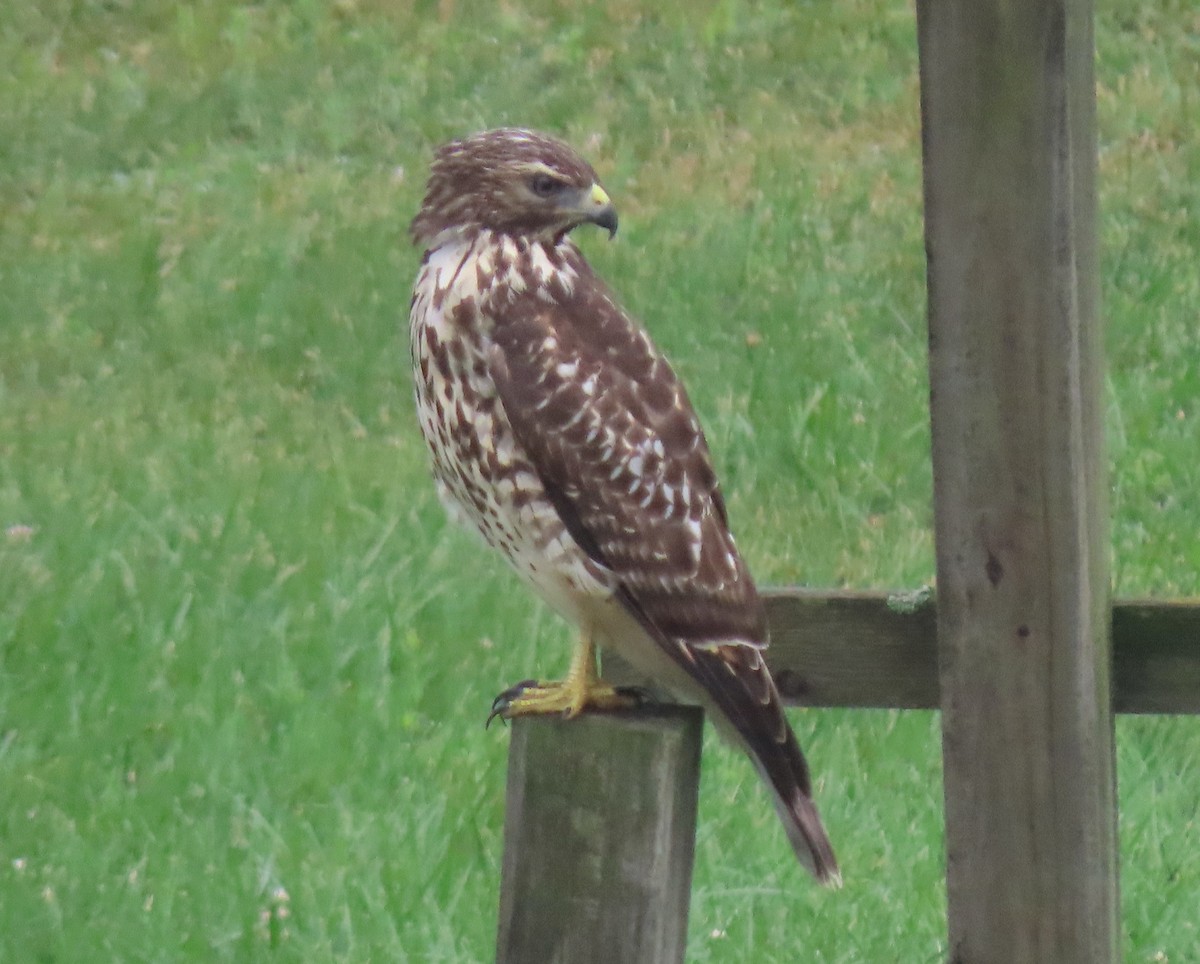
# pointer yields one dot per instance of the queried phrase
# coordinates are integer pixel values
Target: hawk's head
(513, 181)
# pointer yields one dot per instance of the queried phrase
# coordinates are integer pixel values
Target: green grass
(244, 660)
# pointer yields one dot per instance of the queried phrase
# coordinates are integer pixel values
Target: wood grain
(599, 829)
(839, 648)
(1020, 511)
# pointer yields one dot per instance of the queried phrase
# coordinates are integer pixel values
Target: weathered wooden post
(1008, 116)
(599, 830)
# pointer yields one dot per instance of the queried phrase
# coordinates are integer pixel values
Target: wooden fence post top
(599, 833)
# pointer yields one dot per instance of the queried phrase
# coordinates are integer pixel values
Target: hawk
(560, 432)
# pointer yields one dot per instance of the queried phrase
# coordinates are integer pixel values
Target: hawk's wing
(620, 452)
(613, 436)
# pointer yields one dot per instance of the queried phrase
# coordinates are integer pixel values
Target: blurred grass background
(245, 661)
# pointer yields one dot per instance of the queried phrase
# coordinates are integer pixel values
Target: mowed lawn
(244, 659)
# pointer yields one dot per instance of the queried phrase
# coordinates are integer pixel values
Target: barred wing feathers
(620, 452)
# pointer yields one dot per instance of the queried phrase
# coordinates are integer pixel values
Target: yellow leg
(582, 689)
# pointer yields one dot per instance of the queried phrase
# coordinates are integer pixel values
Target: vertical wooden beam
(1007, 103)
(598, 838)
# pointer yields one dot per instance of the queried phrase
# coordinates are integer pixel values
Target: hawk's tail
(784, 771)
(735, 688)
(747, 708)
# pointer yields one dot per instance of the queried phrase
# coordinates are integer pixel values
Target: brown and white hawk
(560, 432)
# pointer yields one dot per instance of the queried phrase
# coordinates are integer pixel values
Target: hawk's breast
(483, 475)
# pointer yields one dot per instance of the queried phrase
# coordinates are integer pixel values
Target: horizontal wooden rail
(869, 649)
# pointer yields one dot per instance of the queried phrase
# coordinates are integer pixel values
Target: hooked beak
(598, 208)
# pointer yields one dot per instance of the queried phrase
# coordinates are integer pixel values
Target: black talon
(502, 702)
(512, 693)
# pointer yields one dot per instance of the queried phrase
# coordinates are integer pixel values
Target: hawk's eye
(543, 185)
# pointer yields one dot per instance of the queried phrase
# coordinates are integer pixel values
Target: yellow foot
(568, 698)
